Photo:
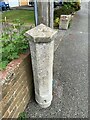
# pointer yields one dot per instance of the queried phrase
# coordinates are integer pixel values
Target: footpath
(70, 86)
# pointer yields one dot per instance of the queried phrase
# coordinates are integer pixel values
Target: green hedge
(66, 9)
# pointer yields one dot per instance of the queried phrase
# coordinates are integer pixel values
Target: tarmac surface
(70, 85)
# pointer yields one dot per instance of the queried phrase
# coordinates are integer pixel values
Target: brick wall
(17, 87)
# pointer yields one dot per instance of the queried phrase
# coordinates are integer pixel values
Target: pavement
(70, 85)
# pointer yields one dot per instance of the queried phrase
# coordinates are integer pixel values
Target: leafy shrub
(12, 43)
(22, 116)
(56, 22)
(66, 9)
(72, 5)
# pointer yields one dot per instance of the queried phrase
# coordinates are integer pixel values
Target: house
(16, 3)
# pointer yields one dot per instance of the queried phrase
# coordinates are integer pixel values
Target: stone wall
(17, 87)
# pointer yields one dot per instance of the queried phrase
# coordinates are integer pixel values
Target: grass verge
(25, 16)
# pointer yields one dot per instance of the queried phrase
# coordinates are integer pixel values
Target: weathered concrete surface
(70, 74)
(42, 54)
(64, 21)
(41, 34)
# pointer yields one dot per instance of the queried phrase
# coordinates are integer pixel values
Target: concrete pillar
(42, 51)
(65, 21)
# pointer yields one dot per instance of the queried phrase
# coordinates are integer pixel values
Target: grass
(25, 16)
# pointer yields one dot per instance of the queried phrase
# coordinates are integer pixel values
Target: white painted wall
(12, 3)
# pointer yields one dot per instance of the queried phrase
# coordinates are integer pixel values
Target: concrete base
(44, 101)
(45, 105)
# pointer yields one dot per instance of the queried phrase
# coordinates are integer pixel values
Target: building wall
(16, 3)
(17, 87)
(12, 3)
(24, 2)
